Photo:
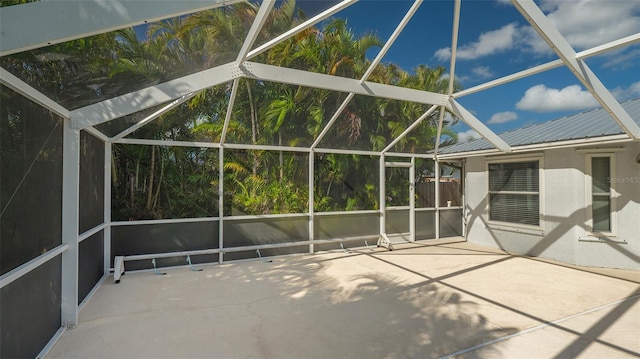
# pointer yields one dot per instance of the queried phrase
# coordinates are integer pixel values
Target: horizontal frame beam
(18, 272)
(342, 84)
(151, 96)
(616, 44)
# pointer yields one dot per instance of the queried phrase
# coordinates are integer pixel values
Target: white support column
(383, 203)
(311, 199)
(221, 204)
(107, 207)
(412, 200)
(436, 169)
(70, 224)
(463, 179)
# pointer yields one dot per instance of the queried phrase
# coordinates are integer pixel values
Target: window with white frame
(600, 199)
(514, 192)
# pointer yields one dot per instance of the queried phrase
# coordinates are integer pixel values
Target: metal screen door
(397, 224)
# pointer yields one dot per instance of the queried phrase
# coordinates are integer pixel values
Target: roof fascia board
(256, 26)
(342, 84)
(278, 39)
(589, 80)
(603, 140)
(478, 126)
(43, 23)
(21, 87)
(151, 96)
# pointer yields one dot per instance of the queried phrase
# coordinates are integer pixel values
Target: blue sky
(494, 41)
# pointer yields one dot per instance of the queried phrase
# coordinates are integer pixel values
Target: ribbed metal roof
(588, 124)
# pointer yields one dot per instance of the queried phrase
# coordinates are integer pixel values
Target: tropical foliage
(174, 182)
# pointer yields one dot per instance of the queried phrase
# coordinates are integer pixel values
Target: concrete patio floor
(424, 300)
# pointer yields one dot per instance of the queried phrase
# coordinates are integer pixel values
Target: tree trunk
(281, 157)
(151, 172)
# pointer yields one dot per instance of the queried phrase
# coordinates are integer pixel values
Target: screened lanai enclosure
(143, 135)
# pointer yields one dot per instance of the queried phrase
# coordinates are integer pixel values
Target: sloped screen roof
(373, 76)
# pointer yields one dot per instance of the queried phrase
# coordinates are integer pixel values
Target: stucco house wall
(563, 233)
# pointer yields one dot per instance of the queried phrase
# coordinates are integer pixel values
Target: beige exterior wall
(563, 233)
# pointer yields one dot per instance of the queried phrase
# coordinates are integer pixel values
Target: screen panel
(425, 225)
(162, 238)
(91, 189)
(249, 232)
(450, 223)
(90, 264)
(332, 226)
(30, 180)
(30, 311)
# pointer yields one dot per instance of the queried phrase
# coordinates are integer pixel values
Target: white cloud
(503, 117)
(482, 72)
(588, 23)
(627, 93)
(467, 136)
(618, 60)
(540, 98)
(488, 43)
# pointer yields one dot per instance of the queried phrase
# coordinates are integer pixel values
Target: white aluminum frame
(578, 66)
(84, 18)
(89, 17)
(612, 195)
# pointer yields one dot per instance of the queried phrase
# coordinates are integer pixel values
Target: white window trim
(510, 226)
(588, 194)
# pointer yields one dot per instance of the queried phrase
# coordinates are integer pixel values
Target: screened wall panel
(249, 232)
(425, 225)
(161, 238)
(91, 182)
(90, 264)
(30, 180)
(265, 182)
(334, 226)
(164, 182)
(397, 221)
(30, 311)
(346, 182)
(450, 223)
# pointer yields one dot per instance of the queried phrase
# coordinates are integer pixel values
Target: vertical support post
(311, 199)
(107, 206)
(436, 166)
(412, 200)
(221, 204)
(463, 183)
(383, 203)
(70, 223)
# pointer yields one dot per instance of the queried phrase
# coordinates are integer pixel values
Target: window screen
(514, 192)
(601, 194)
